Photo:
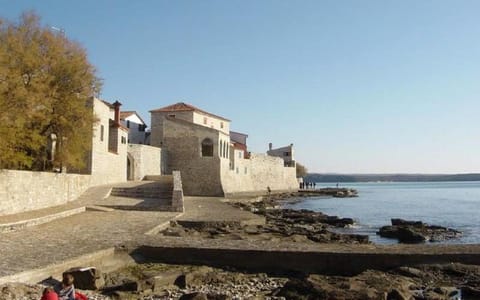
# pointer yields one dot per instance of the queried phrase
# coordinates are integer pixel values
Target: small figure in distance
(65, 289)
(49, 294)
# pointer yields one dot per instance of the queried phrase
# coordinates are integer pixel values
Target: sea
(450, 204)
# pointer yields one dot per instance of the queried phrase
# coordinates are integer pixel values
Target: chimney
(116, 106)
(270, 146)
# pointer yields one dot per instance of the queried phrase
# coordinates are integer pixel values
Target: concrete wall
(22, 191)
(182, 145)
(144, 160)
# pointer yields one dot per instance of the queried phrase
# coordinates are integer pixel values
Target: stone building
(286, 153)
(108, 155)
(213, 160)
(136, 127)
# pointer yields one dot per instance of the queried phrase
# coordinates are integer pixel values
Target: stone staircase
(157, 187)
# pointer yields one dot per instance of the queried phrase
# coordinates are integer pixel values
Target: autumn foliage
(46, 85)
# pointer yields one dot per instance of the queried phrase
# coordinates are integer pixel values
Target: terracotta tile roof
(181, 106)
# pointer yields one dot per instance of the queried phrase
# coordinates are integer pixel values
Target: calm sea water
(450, 204)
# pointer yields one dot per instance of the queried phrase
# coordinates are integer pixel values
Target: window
(286, 153)
(236, 170)
(221, 124)
(124, 140)
(240, 154)
(171, 116)
(205, 120)
(102, 129)
(128, 124)
(207, 147)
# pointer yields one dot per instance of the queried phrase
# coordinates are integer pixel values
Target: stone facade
(22, 191)
(187, 113)
(210, 162)
(143, 160)
(108, 162)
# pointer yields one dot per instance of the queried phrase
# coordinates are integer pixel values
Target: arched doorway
(130, 168)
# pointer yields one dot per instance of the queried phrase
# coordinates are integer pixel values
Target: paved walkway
(83, 233)
(90, 231)
(212, 209)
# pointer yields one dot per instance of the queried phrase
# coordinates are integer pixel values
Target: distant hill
(315, 177)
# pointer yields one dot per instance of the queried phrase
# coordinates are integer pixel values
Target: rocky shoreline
(162, 281)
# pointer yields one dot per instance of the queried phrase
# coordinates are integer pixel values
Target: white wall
(107, 167)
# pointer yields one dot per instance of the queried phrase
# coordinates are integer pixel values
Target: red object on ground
(51, 295)
(80, 296)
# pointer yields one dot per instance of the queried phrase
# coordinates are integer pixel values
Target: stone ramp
(61, 240)
(40, 216)
(202, 211)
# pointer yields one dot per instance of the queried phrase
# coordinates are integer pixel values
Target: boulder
(89, 278)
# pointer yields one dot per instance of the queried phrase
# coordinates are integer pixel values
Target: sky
(357, 86)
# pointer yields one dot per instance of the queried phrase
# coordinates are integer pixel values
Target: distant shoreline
(316, 177)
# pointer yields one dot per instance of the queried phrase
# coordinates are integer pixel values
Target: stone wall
(157, 119)
(22, 191)
(182, 145)
(177, 195)
(255, 175)
(144, 160)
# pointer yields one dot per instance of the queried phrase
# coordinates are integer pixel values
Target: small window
(102, 129)
(171, 116)
(240, 154)
(221, 124)
(128, 124)
(236, 170)
(207, 147)
(205, 120)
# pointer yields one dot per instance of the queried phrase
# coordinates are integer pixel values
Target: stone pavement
(212, 209)
(76, 235)
(66, 238)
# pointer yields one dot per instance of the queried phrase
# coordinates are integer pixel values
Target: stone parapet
(177, 195)
(22, 191)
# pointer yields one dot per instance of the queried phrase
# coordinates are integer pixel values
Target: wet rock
(416, 232)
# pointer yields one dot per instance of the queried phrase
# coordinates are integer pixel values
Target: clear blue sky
(358, 86)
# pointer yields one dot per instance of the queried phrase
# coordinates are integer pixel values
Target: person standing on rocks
(65, 289)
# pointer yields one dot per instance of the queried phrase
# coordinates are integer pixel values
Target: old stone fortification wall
(255, 175)
(182, 145)
(22, 191)
(146, 160)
